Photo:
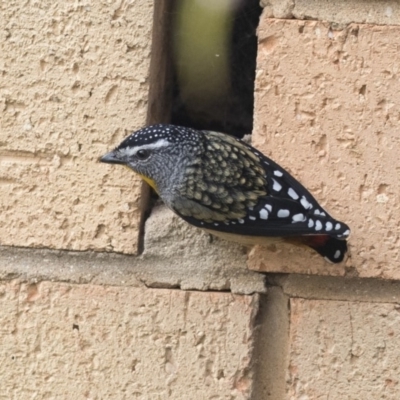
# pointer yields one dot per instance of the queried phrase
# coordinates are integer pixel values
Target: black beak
(111, 158)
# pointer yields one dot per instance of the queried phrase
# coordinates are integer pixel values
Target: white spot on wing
(252, 218)
(278, 173)
(263, 214)
(276, 185)
(293, 194)
(283, 213)
(318, 225)
(268, 207)
(298, 217)
(310, 223)
(305, 203)
(337, 254)
(337, 226)
(328, 226)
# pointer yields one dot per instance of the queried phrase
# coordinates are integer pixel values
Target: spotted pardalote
(227, 187)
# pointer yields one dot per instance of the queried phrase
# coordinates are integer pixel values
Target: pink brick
(343, 350)
(87, 341)
(74, 82)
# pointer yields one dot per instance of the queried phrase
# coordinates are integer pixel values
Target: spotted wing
(265, 200)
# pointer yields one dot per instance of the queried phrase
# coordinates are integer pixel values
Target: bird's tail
(331, 248)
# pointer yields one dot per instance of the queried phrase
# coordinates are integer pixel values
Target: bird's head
(158, 153)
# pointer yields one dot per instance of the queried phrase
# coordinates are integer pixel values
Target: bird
(228, 188)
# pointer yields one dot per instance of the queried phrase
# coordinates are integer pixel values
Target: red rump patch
(317, 240)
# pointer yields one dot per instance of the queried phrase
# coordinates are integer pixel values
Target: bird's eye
(143, 154)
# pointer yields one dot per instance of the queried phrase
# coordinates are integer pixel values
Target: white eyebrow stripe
(131, 151)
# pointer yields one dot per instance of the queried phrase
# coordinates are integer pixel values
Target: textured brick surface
(176, 255)
(344, 350)
(371, 290)
(86, 341)
(338, 11)
(74, 81)
(327, 109)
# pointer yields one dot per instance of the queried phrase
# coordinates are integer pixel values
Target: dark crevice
(230, 108)
(272, 326)
(148, 200)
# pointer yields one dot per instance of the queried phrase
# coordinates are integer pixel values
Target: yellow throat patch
(146, 179)
(150, 182)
